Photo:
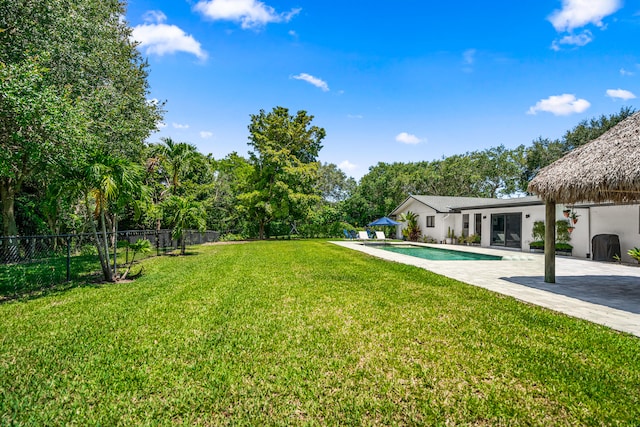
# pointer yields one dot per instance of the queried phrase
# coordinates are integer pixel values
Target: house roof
(449, 204)
(606, 169)
(504, 203)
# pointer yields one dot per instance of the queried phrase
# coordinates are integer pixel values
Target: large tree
(333, 184)
(39, 125)
(74, 64)
(284, 157)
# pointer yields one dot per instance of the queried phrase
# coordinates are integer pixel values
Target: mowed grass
(305, 333)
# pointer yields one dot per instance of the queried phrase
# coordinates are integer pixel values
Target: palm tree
(185, 212)
(412, 231)
(110, 183)
(176, 159)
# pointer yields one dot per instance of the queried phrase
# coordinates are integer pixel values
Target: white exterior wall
(621, 220)
(536, 213)
(580, 239)
(442, 221)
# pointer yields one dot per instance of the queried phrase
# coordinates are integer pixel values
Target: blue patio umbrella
(383, 221)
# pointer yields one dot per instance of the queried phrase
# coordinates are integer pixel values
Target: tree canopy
(73, 86)
(285, 149)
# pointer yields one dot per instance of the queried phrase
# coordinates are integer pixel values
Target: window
(465, 225)
(478, 228)
(506, 230)
(431, 221)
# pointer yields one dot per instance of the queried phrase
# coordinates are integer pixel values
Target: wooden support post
(550, 242)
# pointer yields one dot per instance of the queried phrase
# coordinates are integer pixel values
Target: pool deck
(600, 292)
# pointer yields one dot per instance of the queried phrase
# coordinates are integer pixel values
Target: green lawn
(305, 333)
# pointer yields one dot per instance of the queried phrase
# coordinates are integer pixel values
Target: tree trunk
(106, 270)
(8, 196)
(261, 233)
(108, 274)
(10, 250)
(115, 246)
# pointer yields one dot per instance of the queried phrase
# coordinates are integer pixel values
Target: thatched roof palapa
(606, 169)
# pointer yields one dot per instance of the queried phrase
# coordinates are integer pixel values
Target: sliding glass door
(506, 230)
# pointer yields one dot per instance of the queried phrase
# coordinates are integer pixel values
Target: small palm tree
(185, 213)
(412, 230)
(111, 183)
(176, 157)
(142, 246)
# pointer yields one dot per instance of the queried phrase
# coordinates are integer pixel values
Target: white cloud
(578, 13)
(312, 80)
(468, 56)
(620, 94)
(407, 138)
(154, 16)
(626, 72)
(250, 13)
(206, 134)
(355, 116)
(179, 126)
(158, 38)
(582, 39)
(347, 166)
(560, 105)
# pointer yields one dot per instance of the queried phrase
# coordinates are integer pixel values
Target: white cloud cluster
(407, 138)
(624, 72)
(179, 126)
(206, 134)
(250, 13)
(158, 38)
(347, 166)
(560, 105)
(312, 80)
(620, 94)
(581, 39)
(580, 13)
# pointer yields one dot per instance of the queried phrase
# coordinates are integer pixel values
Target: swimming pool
(427, 252)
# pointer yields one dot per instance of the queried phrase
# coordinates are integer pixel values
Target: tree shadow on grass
(619, 292)
(32, 280)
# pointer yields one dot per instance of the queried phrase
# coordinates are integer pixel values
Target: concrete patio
(603, 293)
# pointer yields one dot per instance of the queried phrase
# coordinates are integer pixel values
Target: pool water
(439, 254)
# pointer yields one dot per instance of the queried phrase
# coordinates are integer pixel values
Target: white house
(437, 215)
(508, 223)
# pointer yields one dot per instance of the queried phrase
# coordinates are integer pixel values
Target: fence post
(126, 258)
(68, 258)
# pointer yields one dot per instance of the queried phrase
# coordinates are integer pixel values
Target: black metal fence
(33, 263)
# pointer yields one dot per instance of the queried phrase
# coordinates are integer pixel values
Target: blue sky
(389, 81)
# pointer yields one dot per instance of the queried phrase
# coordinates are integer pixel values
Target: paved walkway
(604, 293)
